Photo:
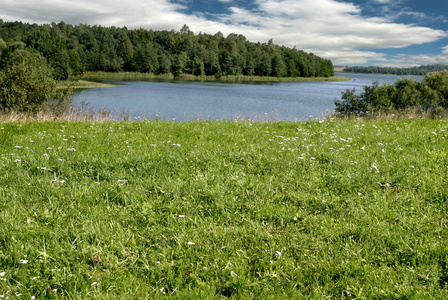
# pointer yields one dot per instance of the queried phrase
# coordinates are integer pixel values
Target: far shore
(229, 78)
(89, 79)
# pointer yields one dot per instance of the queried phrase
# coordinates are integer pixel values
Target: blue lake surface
(191, 100)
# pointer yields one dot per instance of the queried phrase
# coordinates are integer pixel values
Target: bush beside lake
(428, 97)
(329, 209)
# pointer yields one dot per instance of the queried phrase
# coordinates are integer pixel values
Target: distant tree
(179, 63)
(421, 70)
(125, 49)
(3, 46)
(197, 66)
(278, 66)
(60, 63)
(164, 63)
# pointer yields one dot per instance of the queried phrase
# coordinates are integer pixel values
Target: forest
(421, 70)
(71, 50)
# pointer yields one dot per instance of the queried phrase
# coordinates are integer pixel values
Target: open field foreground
(208, 210)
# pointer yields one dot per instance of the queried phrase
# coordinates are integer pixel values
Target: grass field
(207, 210)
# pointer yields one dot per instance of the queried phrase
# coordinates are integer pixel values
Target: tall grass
(324, 209)
(227, 78)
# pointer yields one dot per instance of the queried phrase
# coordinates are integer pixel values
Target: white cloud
(334, 29)
(403, 60)
(352, 57)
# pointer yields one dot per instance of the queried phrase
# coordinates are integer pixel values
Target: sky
(398, 33)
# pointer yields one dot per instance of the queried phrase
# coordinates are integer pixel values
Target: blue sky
(363, 32)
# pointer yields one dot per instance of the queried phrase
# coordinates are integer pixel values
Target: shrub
(27, 85)
(428, 96)
(438, 82)
(373, 98)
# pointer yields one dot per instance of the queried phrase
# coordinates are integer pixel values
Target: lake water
(191, 100)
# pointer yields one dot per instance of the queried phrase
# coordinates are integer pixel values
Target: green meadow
(326, 209)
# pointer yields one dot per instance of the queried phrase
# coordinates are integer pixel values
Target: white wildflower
(2, 274)
(24, 261)
(190, 243)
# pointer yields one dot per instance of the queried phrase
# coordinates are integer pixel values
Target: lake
(183, 100)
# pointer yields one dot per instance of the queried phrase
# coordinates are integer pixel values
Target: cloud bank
(335, 30)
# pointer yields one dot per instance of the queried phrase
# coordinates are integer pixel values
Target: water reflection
(211, 100)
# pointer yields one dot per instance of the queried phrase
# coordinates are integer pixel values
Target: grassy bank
(145, 210)
(83, 84)
(229, 78)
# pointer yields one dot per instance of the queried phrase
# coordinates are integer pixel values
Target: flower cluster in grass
(317, 209)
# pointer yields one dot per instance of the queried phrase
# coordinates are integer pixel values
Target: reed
(228, 78)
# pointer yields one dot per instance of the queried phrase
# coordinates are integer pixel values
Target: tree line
(421, 70)
(71, 50)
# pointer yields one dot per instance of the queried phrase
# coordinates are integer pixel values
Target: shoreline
(229, 78)
(84, 84)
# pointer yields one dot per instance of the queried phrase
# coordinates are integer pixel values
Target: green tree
(278, 66)
(197, 67)
(179, 63)
(27, 85)
(60, 63)
(438, 82)
(164, 63)
(125, 49)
